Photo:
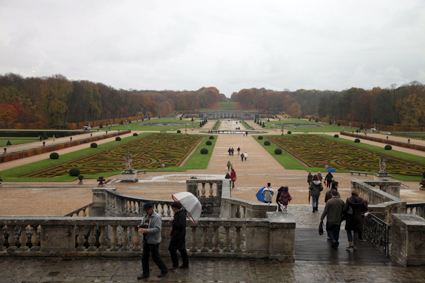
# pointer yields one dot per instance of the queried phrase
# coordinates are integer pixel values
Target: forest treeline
(56, 101)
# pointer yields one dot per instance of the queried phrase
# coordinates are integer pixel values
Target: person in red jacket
(285, 198)
(233, 178)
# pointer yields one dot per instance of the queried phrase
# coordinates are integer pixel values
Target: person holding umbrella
(178, 236)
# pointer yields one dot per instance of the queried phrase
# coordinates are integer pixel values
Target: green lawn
(196, 161)
(15, 141)
(326, 127)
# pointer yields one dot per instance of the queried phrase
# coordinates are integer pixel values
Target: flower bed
(317, 152)
(148, 153)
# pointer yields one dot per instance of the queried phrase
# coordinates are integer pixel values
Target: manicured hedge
(260, 137)
(388, 147)
(289, 132)
(357, 140)
(277, 151)
(336, 136)
(93, 145)
(178, 131)
(266, 143)
(211, 137)
(54, 155)
(74, 171)
(135, 134)
(204, 151)
(118, 138)
(208, 143)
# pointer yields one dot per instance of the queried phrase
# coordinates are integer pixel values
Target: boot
(350, 245)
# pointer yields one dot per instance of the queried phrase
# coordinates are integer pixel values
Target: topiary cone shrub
(178, 131)
(336, 136)
(277, 151)
(208, 143)
(289, 132)
(204, 151)
(54, 155)
(93, 145)
(260, 137)
(211, 137)
(135, 134)
(357, 140)
(388, 147)
(74, 172)
(266, 143)
(118, 138)
(45, 137)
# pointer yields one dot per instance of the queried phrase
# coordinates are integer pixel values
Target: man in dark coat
(333, 214)
(354, 206)
(178, 236)
(328, 179)
(328, 195)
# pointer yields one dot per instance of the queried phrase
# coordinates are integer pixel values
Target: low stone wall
(237, 208)
(408, 237)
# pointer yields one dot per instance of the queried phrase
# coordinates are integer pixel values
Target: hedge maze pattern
(148, 153)
(318, 152)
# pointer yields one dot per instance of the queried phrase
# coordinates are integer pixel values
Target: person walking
(150, 227)
(242, 156)
(354, 206)
(230, 151)
(268, 193)
(319, 175)
(245, 155)
(233, 151)
(279, 192)
(285, 198)
(239, 150)
(328, 194)
(309, 178)
(333, 213)
(233, 178)
(329, 177)
(229, 165)
(178, 236)
(315, 189)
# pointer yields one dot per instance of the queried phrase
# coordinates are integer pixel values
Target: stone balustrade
(390, 187)
(272, 237)
(209, 193)
(416, 208)
(85, 211)
(237, 208)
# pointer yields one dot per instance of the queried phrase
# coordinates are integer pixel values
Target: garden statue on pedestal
(128, 175)
(382, 173)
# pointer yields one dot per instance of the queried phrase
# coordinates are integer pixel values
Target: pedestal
(381, 176)
(129, 176)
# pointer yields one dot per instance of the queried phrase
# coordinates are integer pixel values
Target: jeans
(315, 202)
(333, 232)
(152, 249)
(350, 237)
(174, 259)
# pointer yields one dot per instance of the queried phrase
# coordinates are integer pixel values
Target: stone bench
(358, 172)
(143, 170)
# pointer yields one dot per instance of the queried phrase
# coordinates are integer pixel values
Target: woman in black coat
(178, 236)
(354, 206)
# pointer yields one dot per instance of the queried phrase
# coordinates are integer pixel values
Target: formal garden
(149, 151)
(314, 152)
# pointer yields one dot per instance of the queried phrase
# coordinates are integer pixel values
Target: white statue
(382, 163)
(128, 162)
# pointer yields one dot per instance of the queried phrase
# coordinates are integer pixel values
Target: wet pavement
(201, 270)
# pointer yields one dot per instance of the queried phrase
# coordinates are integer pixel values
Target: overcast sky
(186, 45)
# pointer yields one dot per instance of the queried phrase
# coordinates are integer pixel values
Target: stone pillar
(407, 238)
(57, 237)
(99, 202)
(282, 236)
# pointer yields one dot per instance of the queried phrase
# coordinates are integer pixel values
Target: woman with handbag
(354, 206)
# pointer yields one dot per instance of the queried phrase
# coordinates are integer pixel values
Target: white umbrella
(191, 204)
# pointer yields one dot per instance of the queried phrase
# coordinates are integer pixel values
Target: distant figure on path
(242, 156)
(315, 189)
(268, 193)
(333, 212)
(233, 178)
(328, 179)
(245, 155)
(285, 198)
(328, 195)
(239, 150)
(228, 165)
(230, 151)
(319, 175)
(233, 151)
(309, 178)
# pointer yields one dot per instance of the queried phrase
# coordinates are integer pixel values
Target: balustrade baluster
(216, 240)
(11, 240)
(84, 212)
(2, 240)
(92, 240)
(211, 190)
(136, 239)
(243, 212)
(124, 239)
(169, 210)
(102, 240)
(114, 240)
(203, 189)
(204, 240)
(35, 240)
(227, 239)
(238, 239)
(80, 239)
(193, 240)
(23, 239)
